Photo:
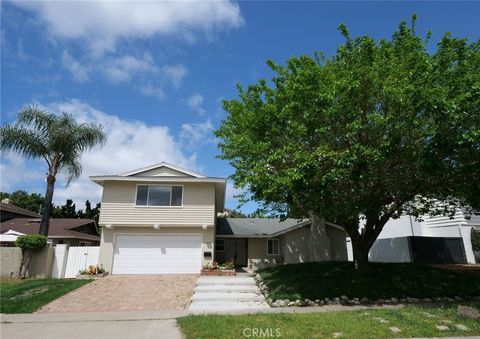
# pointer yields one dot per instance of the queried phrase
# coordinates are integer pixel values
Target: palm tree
(59, 139)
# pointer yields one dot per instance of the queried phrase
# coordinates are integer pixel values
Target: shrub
(31, 242)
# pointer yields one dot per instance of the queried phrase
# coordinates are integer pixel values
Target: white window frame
(148, 193)
(216, 249)
(273, 247)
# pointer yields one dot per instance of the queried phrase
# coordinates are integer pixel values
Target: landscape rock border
(344, 300)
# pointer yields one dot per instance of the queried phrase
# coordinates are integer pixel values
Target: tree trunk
(47, 208)
(26, 259)
(360, 254)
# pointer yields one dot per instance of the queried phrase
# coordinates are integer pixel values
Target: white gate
(79, 258)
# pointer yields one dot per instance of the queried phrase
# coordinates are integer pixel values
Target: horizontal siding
(118, 206)
(474, 220)
(161, 171)
(445, 221)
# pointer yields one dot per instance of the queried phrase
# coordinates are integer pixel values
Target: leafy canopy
(365, 132)
(30, 201)
(31, 242)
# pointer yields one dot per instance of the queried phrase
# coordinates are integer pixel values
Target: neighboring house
(9, 211)
(435, 240)
(9, 237)
(75, 232)
(163, 219)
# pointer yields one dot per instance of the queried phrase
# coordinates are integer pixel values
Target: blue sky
(154, 73)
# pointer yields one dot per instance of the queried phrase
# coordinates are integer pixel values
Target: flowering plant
(229, 265)
(92, 270)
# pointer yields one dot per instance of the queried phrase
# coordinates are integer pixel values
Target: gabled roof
(163, 164)
(257, 227)
(59, 227)
(9, 207)
(261, 227)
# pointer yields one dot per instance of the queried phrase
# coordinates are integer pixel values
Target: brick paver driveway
(128, 293)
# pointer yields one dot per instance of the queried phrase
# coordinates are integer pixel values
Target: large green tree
(30, 201)
(58, 139)
(378, 129)
(68, 210)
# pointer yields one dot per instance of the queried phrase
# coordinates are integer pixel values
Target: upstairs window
(159, 195)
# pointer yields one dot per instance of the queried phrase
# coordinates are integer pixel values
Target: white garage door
(157, 254)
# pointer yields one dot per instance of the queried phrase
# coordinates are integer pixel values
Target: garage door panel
(157, 254)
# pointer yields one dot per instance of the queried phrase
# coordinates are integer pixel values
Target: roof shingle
(59, 227)
(255, 226)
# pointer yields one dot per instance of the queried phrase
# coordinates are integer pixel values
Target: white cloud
(174, 74)
(151, 90)
(101, 24)
(16, 170)
(147, 77)
(232, 191)
(122, 69)
(195, 102)
(99, 27)
(131, 144)
(78, 71)
(195, 134)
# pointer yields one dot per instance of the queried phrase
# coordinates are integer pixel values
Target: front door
(236, 249)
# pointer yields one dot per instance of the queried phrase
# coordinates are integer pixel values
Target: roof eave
(101, 179)
(163, 164)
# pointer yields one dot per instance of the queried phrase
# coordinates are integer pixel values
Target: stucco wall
(306, 244)
(10, 261)
(107, 242)
(40, 266)
(258, 253)
(42, 263)
(338, 244)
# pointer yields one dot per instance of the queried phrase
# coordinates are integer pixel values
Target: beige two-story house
(162, 219)
(158, 219)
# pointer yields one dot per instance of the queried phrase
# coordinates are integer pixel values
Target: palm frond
(72, 167)
(39, 119)
(28, 142)
(89, 135)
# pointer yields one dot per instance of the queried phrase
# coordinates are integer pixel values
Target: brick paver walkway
(128, 293)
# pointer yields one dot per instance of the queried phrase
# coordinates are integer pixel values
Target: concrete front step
(217, 294)
(227, 296)
(202, 306)
(210, 281)
(226, 288)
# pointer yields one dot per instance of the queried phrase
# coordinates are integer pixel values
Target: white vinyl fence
(79, 258)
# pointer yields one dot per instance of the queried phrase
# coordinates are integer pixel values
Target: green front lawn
(413, 321)
(26, 296)
(333, 279)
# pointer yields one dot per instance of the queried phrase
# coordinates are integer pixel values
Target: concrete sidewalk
(104, 325)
